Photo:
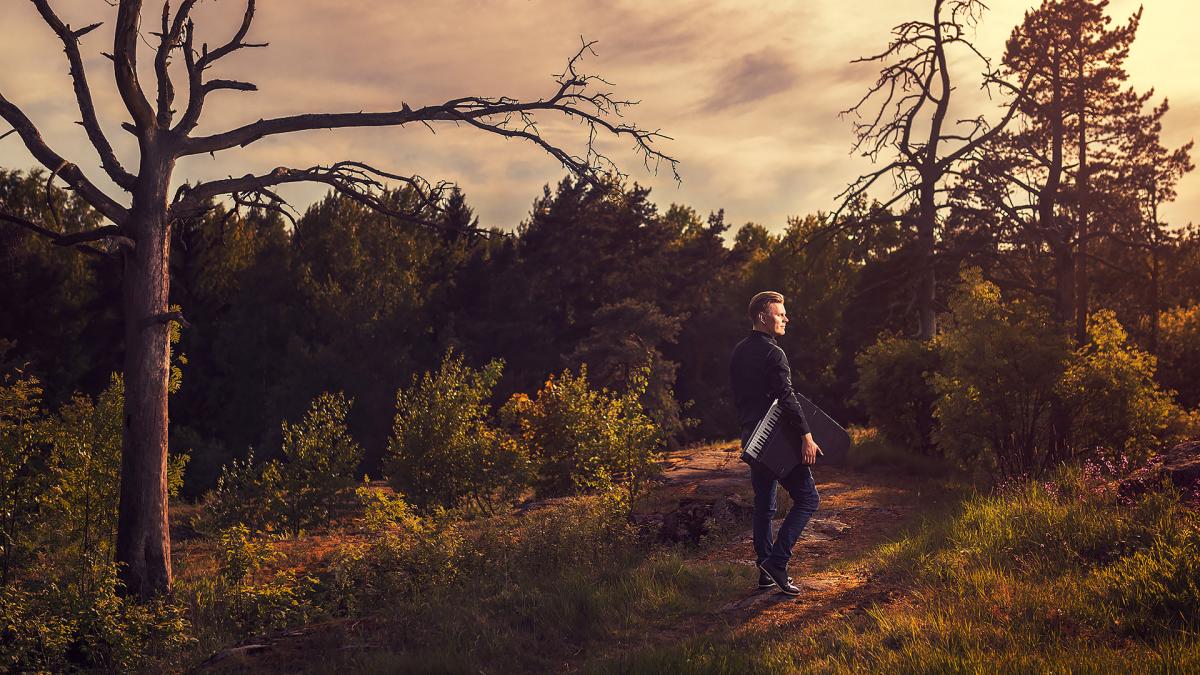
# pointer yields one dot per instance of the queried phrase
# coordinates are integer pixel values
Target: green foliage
(245, 494)
(1001, 361)
(62, 475)
(1179, 352)
(256, 603)
(406, 555)
(894, 386)
(299, 492)
(626, 337)
(60, 606)
(25, 475)
(81, 509)
(582, 439)
(443, 451)
(1109, 387)
(320, 458)
(59, 627)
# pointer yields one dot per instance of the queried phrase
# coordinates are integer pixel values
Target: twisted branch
(70, 39)
(575, 97)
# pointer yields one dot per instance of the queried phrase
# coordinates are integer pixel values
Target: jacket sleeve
(779, 380)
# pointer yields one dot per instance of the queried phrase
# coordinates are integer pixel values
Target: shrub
(582, 439)
(406, 554)
(1179, 352)
(25, 476)
(55, 627)
(245, 494)
(1001, 363)
(320, 458)
(1109, 388)
(256, 605)
(894, 386)
(443, 451)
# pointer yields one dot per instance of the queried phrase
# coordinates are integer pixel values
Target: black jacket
(760, 373)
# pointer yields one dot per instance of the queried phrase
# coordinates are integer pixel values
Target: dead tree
(138, 227)
(911, 124)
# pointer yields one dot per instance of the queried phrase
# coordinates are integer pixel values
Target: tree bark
(143, 546)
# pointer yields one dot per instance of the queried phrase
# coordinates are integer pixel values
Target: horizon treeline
(347, 301)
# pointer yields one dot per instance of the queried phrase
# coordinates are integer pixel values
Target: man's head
(767, 313)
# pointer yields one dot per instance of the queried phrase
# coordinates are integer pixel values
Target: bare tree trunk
(927, 281)
(143, 545)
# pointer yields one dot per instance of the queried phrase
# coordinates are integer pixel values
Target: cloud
(750, 96)
(751, 78)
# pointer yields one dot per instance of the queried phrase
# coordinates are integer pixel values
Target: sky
(750, 92)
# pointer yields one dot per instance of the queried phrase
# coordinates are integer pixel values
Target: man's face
(774, 319)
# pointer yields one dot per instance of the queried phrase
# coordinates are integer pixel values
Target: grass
(1060, 576)
(554, 586)
(873, 452)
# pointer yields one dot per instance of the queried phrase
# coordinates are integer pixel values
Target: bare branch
(168, 317)
(83, 94)
(213, 85)
(198, 89)
(576, 98)
(77, 241)
(355, 180)
(53, 161)
(124, 58)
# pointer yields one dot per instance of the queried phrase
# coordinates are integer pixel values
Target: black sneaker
(765, 581)
(780, 578)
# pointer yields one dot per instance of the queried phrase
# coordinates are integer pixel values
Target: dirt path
(858, 511)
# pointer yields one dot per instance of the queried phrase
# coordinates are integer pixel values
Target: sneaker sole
(781, 588)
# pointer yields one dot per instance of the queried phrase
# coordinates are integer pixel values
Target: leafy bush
(894, 386)
(406, 554)
(255, 605)
(443, 451)
(1179, 352)
(25, 477)
(582, 439)
(60, 606)
(1001, 361)
(1110, 390)
(245, 494)
(320, 458)
(58, 627)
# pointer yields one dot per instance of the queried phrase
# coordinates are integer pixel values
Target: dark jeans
(803, 491)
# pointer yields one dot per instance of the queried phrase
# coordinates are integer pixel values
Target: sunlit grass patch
(1059, 575)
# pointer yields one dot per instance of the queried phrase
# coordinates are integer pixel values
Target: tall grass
(514, 593)
(1058, 576)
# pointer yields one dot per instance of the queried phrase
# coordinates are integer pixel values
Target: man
(760, 373)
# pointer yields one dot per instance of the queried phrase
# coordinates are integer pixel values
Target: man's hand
(810, 450)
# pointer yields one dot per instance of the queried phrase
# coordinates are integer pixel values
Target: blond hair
(760, 301)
